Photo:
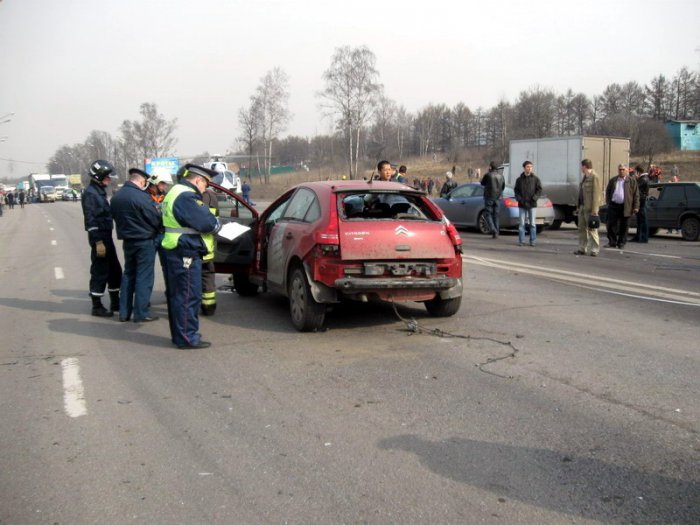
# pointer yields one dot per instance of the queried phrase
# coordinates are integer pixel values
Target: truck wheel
(307, 314)
(482, 225)
(556, 224)
(690, 229)
(243, 286)
(439, 307)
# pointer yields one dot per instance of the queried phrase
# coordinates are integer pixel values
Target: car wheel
(439, 307)
(690, 229)
(482, 224)
(307, 314)
(243, 286)
(556, 224)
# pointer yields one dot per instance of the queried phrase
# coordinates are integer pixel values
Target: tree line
(367, 125)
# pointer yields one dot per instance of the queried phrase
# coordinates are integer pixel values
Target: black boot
(208, 309)
(114, 301)
(97, 309)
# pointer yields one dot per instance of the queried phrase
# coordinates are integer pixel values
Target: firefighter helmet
(100, 169)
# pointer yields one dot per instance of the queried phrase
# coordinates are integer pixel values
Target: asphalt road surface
(565, 390)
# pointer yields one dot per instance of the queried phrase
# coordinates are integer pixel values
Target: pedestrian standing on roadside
(642, 234)
(448, 185)
(22, 198)
(138, 224)
(622, 198)
(2, 201)
(494, 184)
(528, 189)
(10, 200)
(105, 269)
(590, 197)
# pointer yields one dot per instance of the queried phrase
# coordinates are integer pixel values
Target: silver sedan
(464, 206)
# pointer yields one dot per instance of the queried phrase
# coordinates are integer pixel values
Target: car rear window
(378, 205)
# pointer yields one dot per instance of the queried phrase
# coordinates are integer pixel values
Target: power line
(23, 161)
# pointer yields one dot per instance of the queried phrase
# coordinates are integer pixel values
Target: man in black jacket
(528, 189)
(138, 223)
(642, 178)
(105, 270)
(494, 184)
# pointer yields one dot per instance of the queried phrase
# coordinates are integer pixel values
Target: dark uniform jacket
(96, 213)
(135, 214)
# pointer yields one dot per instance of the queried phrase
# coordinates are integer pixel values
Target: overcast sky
(68, 67)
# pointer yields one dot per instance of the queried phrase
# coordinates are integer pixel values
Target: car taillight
(547, 203)
(510, 202)
(454, 235)
(328, 239)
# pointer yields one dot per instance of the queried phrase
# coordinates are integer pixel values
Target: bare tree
(652, 138)
(350, 95)
(150, 137)
(249, 120)
(272, 100)
(657, 97)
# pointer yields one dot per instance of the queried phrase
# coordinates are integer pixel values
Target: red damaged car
(323, 242)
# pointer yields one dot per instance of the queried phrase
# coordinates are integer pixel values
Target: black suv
(671, 205)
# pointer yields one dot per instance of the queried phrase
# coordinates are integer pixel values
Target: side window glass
(673, 193)
(300, 204)
(314, 212)
(277, 213)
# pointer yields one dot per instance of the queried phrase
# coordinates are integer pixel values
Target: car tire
(243, 286)
(556, 224)
(690, 229)
(482, 225)
(439, 307)
(307, 315)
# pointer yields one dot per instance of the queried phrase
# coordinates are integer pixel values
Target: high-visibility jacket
(198, 220)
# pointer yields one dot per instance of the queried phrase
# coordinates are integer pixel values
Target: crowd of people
(178, 224)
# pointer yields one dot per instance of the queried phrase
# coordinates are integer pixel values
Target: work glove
(100, 249)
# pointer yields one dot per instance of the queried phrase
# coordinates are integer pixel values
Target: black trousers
(105, 271)
(617, 225)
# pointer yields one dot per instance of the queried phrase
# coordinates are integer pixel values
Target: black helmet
(100, 169)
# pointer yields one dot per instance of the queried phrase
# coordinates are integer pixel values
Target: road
(564, 391)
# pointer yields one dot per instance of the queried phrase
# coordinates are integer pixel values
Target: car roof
(356, 185)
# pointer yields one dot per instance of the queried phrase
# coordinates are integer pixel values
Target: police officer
(105, 270)
(185, 219)
(208, 271)
(138, 223)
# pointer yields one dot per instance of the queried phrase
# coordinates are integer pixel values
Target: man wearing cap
(186, 218)
(138, 223)
(622, 198)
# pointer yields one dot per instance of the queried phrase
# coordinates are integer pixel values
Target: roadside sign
(162, 164)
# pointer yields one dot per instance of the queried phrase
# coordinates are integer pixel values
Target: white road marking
(595, 282)
(73, 392)
(654, 254)
(50, 229)
(53, 243)
(58, 272)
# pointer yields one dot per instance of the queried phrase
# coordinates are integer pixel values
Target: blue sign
(162, 164)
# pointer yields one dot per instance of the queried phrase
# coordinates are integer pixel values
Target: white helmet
(158, 177)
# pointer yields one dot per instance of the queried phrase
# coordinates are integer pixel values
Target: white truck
(558, 165)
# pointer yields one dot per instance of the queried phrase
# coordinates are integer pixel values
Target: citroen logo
(402, 230)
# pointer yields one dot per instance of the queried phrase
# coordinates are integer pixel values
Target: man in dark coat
(494, 184)
(138, 223)
(528, 189)
(105, 270)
